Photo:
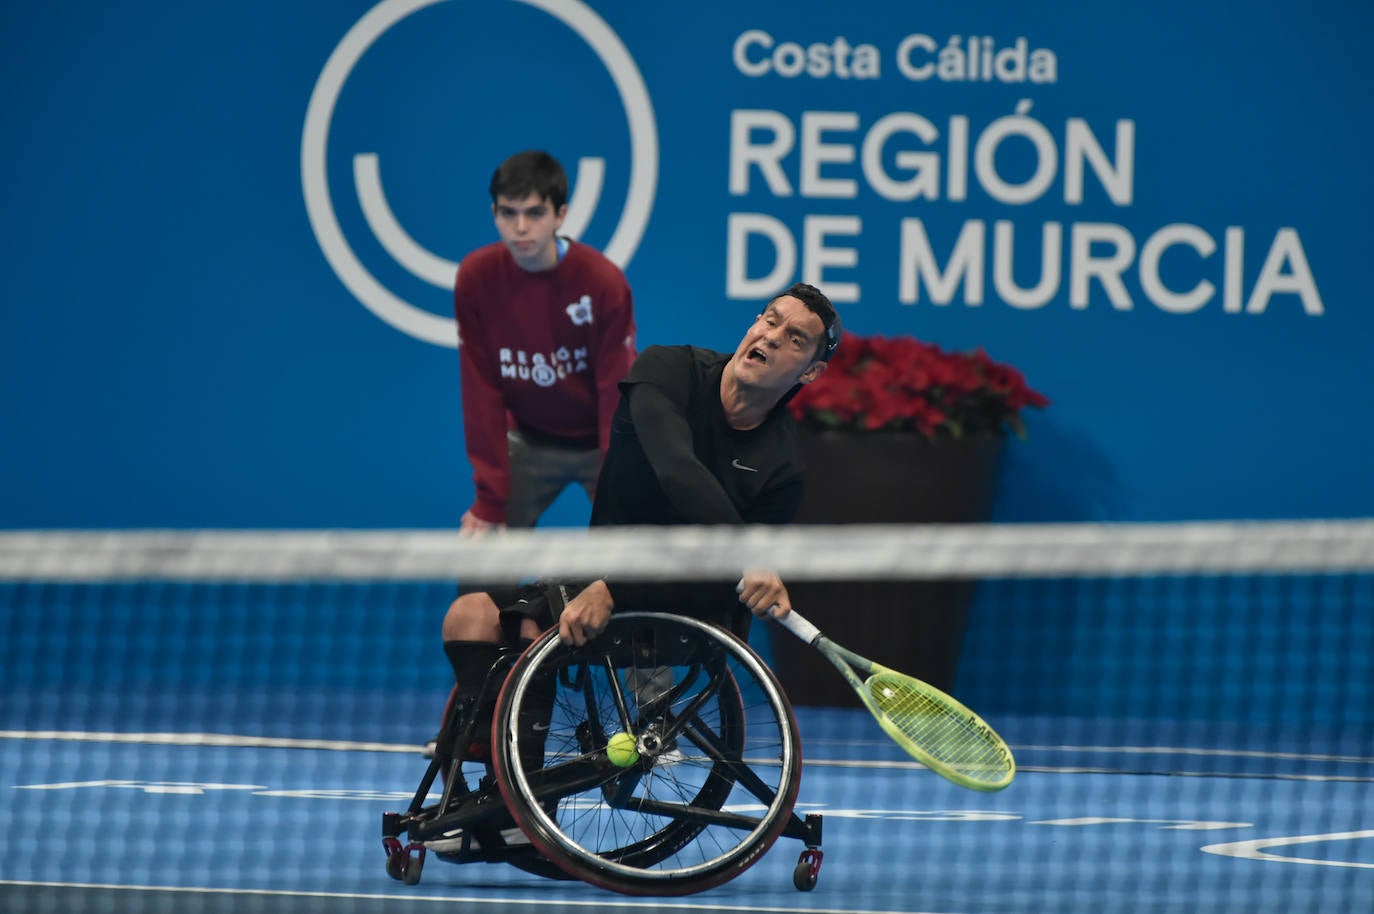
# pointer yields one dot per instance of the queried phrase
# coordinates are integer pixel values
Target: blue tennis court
(209, 746)
(122, 819)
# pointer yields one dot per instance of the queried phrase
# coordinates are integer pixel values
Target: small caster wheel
(395, 859)
(414, 864)
(808, 870)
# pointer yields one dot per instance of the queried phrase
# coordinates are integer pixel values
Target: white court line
(601, 903)
(1267, 776)
(1228, 753)
(209, 739)
(1254, 850)
(274, 742)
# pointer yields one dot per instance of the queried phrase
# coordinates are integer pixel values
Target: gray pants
(540, 472)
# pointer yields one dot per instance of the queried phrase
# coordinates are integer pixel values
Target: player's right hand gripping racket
(932, 727)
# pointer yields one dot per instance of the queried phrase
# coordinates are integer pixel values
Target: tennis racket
(932, 727)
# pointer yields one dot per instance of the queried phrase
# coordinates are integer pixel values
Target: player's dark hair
(532, 171)
(817, 302)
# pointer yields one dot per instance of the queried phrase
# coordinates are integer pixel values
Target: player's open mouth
(756, 355)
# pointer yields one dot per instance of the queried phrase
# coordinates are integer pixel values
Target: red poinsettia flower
(903, 384)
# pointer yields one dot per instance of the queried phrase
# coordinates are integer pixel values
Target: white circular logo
(544, 375)
(437, 271)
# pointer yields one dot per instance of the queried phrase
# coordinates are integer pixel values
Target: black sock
(471, 662)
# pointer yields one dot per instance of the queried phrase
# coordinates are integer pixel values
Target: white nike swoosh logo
(739, 466)
(539, 727)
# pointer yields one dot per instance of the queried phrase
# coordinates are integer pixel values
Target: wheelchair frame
(714, 737)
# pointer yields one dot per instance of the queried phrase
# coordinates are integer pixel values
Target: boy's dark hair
(817, 302)
(532, 171)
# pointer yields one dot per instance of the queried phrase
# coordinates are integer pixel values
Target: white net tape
(657, 553)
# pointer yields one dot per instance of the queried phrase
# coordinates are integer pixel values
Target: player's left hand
(586, 615)
(763, 592)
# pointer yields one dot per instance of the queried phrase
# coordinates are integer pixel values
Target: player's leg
(472, 635)
(477, 640)
(477, 628)
(523, 621)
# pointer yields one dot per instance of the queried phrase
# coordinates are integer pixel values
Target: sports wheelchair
(706, 789)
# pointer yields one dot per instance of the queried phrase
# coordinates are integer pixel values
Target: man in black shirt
(699, 437)
(703, 437)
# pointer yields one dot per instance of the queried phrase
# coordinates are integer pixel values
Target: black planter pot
(914, 626)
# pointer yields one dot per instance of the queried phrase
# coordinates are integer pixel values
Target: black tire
(648, 829)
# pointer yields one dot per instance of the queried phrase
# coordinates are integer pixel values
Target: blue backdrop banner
(231, 232)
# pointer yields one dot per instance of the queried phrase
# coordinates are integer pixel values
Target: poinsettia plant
(900, 383)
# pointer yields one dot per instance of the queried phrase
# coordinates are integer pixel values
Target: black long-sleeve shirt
(674, 459)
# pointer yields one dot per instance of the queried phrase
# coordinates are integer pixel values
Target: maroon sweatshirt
(538, 351)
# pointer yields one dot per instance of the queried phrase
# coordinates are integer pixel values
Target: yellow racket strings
(948, 734)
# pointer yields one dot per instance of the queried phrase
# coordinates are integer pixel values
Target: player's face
(780, 348)
(528, 227)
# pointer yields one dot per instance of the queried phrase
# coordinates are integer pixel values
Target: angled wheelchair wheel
(662, 758)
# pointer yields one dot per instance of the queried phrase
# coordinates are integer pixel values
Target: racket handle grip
(793, 621)
(798, 625)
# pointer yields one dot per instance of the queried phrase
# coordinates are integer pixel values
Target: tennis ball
(621, 750)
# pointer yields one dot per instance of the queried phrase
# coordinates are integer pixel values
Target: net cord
(847, 552)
